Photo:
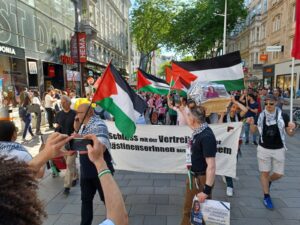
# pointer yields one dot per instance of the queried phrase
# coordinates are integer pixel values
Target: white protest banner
(161, 149)
(216, 212)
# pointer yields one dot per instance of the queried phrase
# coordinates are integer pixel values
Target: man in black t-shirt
(272, 124)
(64, 122)
(203, 152)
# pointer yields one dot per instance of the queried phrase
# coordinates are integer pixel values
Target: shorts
(271, 160)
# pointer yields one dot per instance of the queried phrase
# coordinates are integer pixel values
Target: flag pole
(292, 90)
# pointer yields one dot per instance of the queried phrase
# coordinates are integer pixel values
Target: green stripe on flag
(125, 125)
(149, 88)
(232, 85)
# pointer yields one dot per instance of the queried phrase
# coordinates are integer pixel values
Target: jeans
(247, 131)
(27, 121)
(229, 181)
(89, 186)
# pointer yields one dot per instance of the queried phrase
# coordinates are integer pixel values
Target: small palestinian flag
(182, 86)
(116, 97)
(149, 83)
(226, 69)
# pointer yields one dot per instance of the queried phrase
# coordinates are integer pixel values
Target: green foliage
(196, 28)
(162, 69)
(151, 23)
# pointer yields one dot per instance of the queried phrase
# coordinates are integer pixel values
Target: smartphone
(79, 144)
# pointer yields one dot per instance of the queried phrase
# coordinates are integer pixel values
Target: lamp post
(225, 24)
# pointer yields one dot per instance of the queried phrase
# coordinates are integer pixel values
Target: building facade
(33, 36)
(106, 23)
(35, 42)
(269, 23)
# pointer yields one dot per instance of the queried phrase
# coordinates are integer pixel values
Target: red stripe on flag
(106, 87)
(184, 74)
(169, 75)
(141, 80)
(296, 45)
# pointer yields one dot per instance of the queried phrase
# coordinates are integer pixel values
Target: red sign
(66, 60)
(81, 36)
(263, 57)
(51, 71)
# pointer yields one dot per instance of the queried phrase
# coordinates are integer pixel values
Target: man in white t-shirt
(49, 107)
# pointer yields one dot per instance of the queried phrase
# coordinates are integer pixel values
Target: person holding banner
(272, 125)
(203, 148)
(236, 113)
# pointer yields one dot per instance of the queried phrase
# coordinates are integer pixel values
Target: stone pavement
(157, 199)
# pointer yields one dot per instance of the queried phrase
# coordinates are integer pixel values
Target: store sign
(275, 48)
(263, 57)
(269, 70)
(11, 51)
(66, 60)
(7, 50)
(32, 67)
(81, 46)
(257, 66)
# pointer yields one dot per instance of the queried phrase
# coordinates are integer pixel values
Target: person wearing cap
(272, 125)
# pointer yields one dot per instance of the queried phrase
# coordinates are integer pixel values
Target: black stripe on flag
(219, 62)
(152, 77)
(139, 104)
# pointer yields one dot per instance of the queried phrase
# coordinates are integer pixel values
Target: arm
(241, 106)
(252, 110)
(290, 130)
(53, 147)
(169, 102)
(221, 119)
(114, 202)
(210, 177)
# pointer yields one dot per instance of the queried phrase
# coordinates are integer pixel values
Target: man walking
(89, 182)
(49, 107)
(272, 125)
(64, 122)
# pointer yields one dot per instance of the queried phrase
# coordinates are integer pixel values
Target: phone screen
(79, 144)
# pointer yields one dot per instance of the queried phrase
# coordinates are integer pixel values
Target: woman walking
(26, 117)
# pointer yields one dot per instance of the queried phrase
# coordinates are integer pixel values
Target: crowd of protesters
(257, 109)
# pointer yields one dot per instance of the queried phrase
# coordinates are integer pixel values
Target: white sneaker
(229, 191)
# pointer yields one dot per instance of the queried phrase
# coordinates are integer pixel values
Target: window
(257, 34)
(276, 23)
(294, 13)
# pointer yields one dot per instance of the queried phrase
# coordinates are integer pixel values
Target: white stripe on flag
(160, 85)
(229, 73)
(123, 101)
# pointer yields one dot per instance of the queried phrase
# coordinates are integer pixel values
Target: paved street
(156, 199)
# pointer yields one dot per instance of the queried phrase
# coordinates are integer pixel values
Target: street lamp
(225, 23)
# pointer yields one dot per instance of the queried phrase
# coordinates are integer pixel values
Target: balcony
(87, 23)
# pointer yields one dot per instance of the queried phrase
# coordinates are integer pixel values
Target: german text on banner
(161, 149)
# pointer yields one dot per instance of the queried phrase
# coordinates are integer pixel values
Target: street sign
(275, 48)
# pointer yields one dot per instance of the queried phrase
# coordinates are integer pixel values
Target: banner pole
(292, 90)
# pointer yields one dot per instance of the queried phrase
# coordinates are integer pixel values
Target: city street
(157, 199)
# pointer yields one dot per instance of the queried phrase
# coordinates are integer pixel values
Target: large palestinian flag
(226, 69)
(116, 96)
(149, 83)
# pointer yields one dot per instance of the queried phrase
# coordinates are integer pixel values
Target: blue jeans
(247, 131)
(229, 181)
(27, 121)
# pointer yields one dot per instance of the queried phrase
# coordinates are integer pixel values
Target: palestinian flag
(181, 85)
(149, 83)
(116, 96)
(226, 69)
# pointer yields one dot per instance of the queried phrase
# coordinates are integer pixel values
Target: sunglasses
(269, 103)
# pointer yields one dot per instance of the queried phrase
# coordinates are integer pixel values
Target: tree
(198, 30)
(162, 68)
(150, 25)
